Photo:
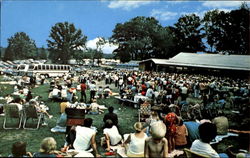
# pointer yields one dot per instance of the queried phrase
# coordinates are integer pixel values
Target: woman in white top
(136, 141)
(111, 133)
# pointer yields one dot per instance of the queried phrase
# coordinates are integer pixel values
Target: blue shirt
(193, 131)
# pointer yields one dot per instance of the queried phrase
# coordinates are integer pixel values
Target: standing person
(136, 141)
(92, 88)
(157, 144)
(85, 137)
(83, 91)
(111, 115)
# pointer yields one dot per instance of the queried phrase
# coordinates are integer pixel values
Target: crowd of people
(184, 111)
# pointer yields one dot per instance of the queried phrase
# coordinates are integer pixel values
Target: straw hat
(158, 130)
(138, 126)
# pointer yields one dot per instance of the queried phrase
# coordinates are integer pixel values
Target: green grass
(127, 117)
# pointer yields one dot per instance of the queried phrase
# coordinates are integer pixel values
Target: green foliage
(187, 33)
(20, 46)
(65, 40)
(141, 38)
(228, 31)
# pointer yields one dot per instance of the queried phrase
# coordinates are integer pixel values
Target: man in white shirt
(150, 92)
(85, 137)
(207, 133)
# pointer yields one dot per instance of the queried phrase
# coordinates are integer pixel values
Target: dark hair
(19, 149)
(207, 131)
(88, 122)
(108, 123)
(111, 109)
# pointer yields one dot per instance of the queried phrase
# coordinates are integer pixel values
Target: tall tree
(65, 40)
(212, 28)
(139, 38)
(20, 46)
(188, 33)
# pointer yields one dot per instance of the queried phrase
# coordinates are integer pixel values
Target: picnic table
(125, 101)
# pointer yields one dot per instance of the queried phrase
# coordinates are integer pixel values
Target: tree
(79, 55)
(140, 38)
(187, 34)
(42, 54)
(212, 28)
(20, 46)
(65, 40)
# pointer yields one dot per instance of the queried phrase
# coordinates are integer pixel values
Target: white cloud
(163, 15)
(218, 4)
(127, 5)
(107, 48)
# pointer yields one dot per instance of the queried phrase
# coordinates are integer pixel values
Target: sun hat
(138, 126)
(158, 130)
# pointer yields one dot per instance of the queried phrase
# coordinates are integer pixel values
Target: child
(157, 144)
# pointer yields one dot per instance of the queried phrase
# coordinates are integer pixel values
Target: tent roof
(235, 62)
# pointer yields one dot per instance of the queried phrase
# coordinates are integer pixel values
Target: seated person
(85, 137)
(19, 150)
(193, 131)
(112, 116)
(48, 148)
(221, 123)
(8, 98)
(107, 92)
(207, 133)
(136, 141)
(56, 93)
(94, 108)
(181, 134)
(61, 122)
(33, 102)
(100, 91)
(112, 135)
(156, 145)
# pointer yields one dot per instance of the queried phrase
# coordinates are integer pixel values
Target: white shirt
(149, 93)
(83, 138)
(55, 92)
(203, 148)
(136, 145)
(113, 134)
(92, 87)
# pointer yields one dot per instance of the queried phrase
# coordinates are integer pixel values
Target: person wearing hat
(136, 141)
(157, 144)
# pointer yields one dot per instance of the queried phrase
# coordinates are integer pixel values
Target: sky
(95, 18)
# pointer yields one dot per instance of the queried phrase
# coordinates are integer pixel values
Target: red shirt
(83, 87)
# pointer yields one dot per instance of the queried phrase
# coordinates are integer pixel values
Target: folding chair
(144, 112)
(192, 154)
(12, 112)
(31, 112)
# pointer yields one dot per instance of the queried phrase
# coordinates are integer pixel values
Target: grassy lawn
(127, 117)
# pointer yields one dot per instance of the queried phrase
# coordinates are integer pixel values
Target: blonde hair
(138, 126)
(48, 145)
(158, 130)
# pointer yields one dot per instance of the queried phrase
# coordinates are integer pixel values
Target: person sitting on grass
(85, 137)
(112, 116)
(207, 133)
(48, 148)
(136, 141)
(94, 108)
(112, 135)
(19, 150)
(157, 144)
